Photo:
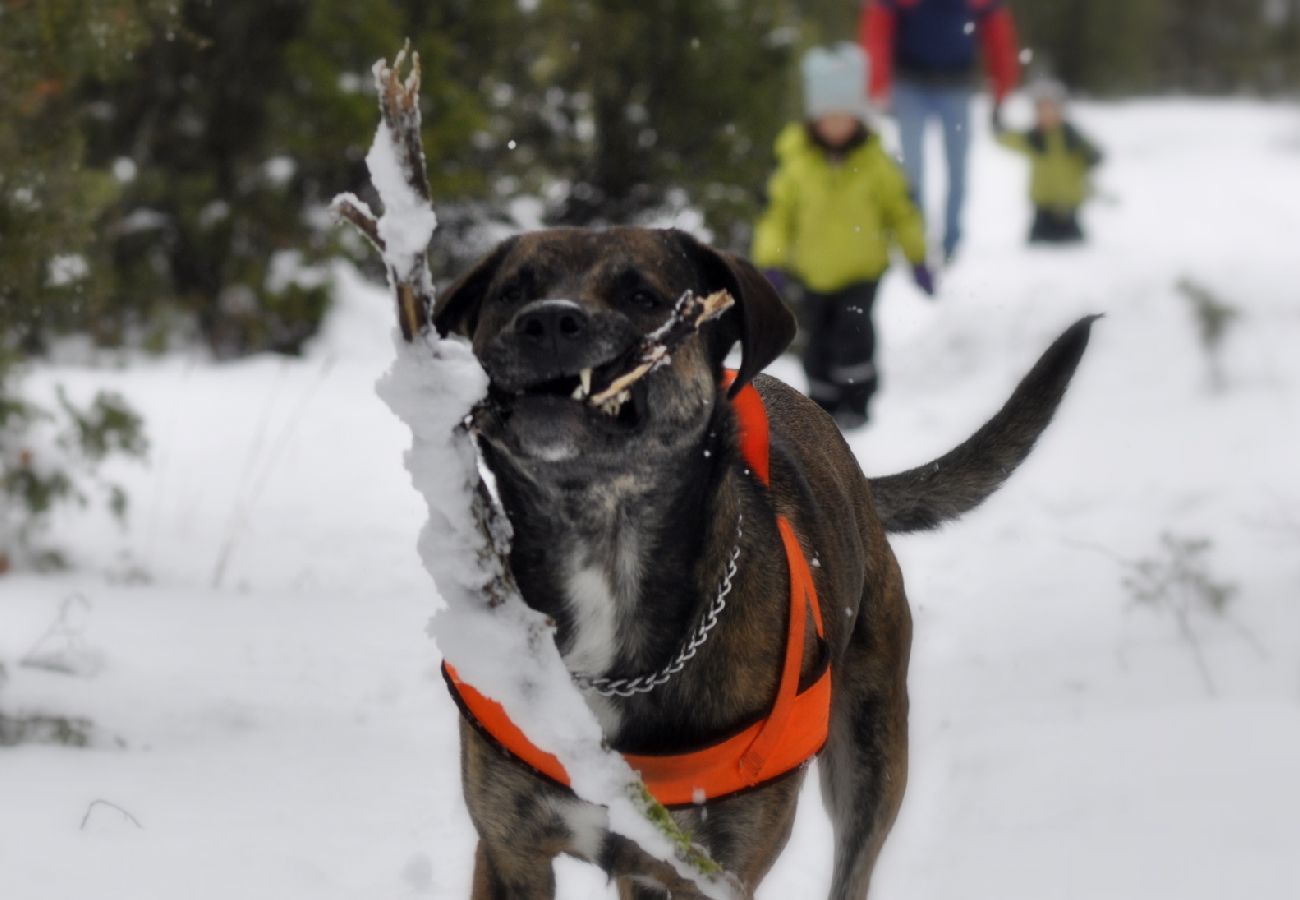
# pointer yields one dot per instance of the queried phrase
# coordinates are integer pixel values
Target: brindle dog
(624, 521)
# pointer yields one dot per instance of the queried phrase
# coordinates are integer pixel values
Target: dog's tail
(963, 478)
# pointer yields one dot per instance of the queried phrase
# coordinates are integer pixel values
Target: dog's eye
(511, 293)
(643, 298)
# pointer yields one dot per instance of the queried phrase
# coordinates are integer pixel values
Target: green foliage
(1213, 318)
(1117, 47)
(51, 458)
(241, 124)
(165, 164)
(1178, 581)
(52, 266)
(1179, 576)
(40, 728)
(657, 104)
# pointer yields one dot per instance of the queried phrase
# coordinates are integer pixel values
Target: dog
(626, 519)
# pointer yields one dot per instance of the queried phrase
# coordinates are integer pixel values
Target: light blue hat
(1048, 90)
(835, 80)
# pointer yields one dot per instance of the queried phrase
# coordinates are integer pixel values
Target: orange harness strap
(788, 736)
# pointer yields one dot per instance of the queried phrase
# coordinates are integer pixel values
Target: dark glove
(777, 279)
(924, 278)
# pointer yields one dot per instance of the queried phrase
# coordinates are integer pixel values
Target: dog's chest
(602, 581)
(601, 587)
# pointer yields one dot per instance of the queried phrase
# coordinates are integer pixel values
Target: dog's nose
(552, 325)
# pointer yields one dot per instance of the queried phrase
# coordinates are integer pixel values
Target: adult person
(923, 65)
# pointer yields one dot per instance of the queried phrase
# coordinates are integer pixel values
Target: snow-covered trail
(283, 732)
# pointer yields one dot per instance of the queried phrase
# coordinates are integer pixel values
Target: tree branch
(350, 208)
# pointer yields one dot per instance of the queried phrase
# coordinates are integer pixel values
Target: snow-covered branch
(486, 631)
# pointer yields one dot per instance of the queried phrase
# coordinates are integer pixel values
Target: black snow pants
(1054, 226)
(840, 356)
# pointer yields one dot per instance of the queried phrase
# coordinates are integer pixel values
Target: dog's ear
(762, 324)
(457, 306)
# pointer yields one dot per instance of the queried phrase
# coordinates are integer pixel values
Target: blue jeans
(914, 105)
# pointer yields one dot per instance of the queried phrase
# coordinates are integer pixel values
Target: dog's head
(543, 307)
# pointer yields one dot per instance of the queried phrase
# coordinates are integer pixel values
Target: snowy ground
(266, 700)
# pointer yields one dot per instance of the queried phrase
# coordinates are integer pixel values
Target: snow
(286, 269)
(64, 269)
(124, 169)
(283, 732)
(408, 220)
(279, 170)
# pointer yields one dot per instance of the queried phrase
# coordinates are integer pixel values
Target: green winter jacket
(1060, 160)
(830, 222)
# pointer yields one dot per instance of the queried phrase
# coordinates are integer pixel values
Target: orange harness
(788, 736)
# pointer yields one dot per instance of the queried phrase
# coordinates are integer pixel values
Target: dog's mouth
(579, 393)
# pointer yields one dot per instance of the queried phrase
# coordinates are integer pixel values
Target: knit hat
(835, 80)
(1048, 90)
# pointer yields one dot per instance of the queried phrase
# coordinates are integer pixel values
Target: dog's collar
(782, 741)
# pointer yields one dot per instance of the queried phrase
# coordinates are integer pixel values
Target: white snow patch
(1062, 746)
(65, 269)
(408, 220)
(124, 169)
(286, 269)
(279, 170)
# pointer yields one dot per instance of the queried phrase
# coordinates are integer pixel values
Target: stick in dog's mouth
(616, 379)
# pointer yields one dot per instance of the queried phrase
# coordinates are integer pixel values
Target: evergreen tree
(53, 271)
(54, 274)
(241, 125)
(661, 103)
(1116, 47)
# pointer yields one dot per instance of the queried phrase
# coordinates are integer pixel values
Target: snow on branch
(486, 631)
(397, 170)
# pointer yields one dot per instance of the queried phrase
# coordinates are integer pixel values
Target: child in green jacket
(835, 205)
(1061, 159)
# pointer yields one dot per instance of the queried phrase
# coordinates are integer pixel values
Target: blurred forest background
(165, 165)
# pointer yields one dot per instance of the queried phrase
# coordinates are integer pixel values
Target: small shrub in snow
(1178, 580)
(50, 457)
(1214, 318)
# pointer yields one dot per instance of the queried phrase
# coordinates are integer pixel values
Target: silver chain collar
(644, 684)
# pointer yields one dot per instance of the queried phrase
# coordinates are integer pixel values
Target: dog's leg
(640, 876)
(743, 833)
(864, 764)
(511, 874)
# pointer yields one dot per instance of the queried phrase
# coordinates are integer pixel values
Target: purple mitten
(777, 279)
(924, 278)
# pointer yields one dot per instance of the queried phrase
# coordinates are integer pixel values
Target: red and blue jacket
(935, 42)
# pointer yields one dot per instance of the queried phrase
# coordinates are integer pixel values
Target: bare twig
(253, 483)
(412, 286)
(399, 106)
(399, 110)
(350, 208)
(689, 313)
(1194, 645)
(39, 657)
(111, 805)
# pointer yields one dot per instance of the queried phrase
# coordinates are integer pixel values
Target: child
(1060, 160)
(835, 204)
